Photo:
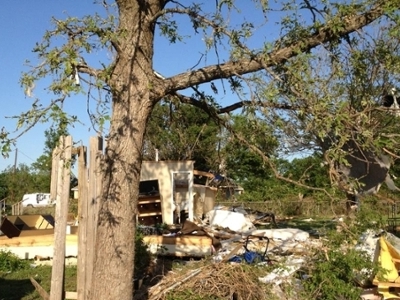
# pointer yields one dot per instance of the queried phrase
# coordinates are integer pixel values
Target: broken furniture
(190, 241)
(32, 236)
(149, 208)
(12, 226)
(149, 203)
(179, 245)
(388, 280)
(250, 256)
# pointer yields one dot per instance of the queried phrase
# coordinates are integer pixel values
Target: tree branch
(227, 109)
(259, 61)
(83, 68)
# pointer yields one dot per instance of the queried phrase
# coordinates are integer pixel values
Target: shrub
(9, 262)
(336, 272)
(142, 256)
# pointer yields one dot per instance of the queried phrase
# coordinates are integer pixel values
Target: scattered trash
(249, 256)
(279, 275)
(283, 234)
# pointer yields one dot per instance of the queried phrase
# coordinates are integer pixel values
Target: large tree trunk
(133, 101)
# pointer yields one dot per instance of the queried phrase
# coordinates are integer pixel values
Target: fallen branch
(176, 284)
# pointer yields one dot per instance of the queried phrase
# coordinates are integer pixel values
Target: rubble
(277, 256)
(281, 274)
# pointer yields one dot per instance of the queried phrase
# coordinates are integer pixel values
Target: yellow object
(389, 260)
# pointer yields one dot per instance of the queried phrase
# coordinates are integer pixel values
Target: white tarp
(229, 219)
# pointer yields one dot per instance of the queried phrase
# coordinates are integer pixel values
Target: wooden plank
(149, 201)
(150, 214)
(39, 289)
(71, 295)
(38, 240)
(36, 232)
(46, 251)
(63, 190)
(94, 192)
(197, 240)
(37, 221)
(183, 246)
(202, 173)
(385, 284)
(82, 219)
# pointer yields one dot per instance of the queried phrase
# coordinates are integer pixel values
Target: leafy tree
(309, 170)
(20, 181)
(133, 88)
(41, 168)
(3, 185)
(52, 136)
(182, 132)
(242, 164)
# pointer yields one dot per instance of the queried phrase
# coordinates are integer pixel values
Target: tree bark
(133, 101)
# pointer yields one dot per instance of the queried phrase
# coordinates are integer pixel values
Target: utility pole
(15, 160)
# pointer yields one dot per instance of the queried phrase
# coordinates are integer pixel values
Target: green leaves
(170, 30)
(11, 263)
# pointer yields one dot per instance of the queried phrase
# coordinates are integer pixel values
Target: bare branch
(227, 109)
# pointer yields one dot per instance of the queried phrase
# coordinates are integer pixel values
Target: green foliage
(11, 263)
(17, 284)
(243, 165)
(142, 256)
(335, 278)
(308, 172)
(335, 272)
(182, 132)
(19, 182)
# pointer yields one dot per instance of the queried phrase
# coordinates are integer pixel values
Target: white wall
(163, 172)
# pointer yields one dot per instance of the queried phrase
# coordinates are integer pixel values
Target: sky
(23, 24)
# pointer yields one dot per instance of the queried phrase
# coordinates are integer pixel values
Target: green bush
(142, 256)
(10, 262)
(336, 272)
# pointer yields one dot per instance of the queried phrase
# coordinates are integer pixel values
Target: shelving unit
(149, 208)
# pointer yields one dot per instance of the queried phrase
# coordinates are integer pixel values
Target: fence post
(63, 190)
(54, 173)
(82, 284)
(94, 193)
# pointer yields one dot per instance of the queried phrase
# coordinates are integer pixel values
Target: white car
(37, 200)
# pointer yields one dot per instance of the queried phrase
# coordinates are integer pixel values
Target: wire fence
(312, 208)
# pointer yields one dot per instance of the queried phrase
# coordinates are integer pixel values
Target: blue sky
(23, 23)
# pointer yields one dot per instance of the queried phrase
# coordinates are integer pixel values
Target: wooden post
(94, 193)
(54, 174)
(82, 284)
(63, 190)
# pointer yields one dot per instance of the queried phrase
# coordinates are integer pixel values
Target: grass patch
(17, 285)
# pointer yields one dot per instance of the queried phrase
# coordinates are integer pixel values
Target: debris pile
(241, 254)
(210, 281)
(252, 263)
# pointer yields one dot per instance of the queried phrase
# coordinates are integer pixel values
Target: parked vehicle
(37, 200)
